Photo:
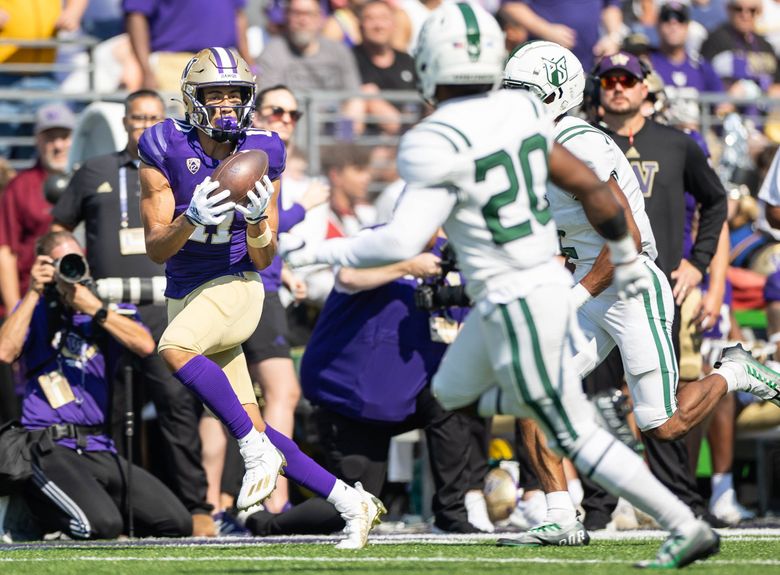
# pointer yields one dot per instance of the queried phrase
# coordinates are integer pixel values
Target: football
(239, 172)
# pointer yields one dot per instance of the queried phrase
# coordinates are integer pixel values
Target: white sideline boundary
(368, 560)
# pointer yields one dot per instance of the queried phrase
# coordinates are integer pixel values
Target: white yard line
(343, 560)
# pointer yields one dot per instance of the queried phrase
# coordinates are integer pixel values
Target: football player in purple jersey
(212, 249)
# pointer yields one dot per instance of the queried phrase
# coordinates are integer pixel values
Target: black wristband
(101, 316)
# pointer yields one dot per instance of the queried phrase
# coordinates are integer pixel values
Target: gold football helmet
(218, 67)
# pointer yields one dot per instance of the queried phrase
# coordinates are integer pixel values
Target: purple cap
(679, 9)
(53, 116)
(621, 61)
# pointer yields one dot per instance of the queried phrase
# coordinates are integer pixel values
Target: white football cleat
(362, 514)
(727, 508)
(263, 466)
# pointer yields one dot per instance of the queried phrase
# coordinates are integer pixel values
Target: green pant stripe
(667, 374)
(514, 345)
(542, 369)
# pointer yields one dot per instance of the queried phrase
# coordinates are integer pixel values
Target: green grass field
(740, 554)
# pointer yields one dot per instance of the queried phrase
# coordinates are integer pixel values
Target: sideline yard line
(287, 559)
(388, 539)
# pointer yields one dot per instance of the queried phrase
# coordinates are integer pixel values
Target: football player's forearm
(261, 257)
(419, 214)
(164, 241)
(599, 277)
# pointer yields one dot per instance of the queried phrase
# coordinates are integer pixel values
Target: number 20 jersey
(491, 152)
(173, 148)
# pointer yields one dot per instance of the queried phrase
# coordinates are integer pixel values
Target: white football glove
(294, 251)
(204, 211)
(254, 212)
(632, 278)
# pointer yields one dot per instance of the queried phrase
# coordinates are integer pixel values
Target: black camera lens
(72, 268)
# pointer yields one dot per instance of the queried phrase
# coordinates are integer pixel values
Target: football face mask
(218, 70)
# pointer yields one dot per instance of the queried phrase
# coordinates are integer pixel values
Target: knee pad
(772, 288)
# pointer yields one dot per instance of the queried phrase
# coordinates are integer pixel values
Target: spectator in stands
(165, 34)
(349, 174)
(70, 342)
(382, 68)
(409, 21)
(24, 210)
(305, 61)
(709, 13)
(343, 23)
(743, 59)
(684, 76)
(574, 24)
(104, 194)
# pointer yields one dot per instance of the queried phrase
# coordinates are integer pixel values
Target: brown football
(239, 172)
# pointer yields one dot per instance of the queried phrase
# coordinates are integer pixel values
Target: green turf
(601, 557)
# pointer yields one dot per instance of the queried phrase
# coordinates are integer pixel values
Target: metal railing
(88, 43)
(324, 124)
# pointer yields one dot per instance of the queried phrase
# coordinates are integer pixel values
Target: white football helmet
(548, 70)
(459, 44)
(218, 67)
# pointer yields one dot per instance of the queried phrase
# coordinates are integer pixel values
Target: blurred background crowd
(336, 79)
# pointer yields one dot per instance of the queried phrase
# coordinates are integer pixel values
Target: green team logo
(556, 71)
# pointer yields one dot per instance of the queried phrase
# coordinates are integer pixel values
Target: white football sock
(721, 482)
(342, 496)
(560, 508)
(576, 492)
(622, 472)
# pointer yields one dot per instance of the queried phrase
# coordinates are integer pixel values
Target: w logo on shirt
(556, 71)
(645, 173)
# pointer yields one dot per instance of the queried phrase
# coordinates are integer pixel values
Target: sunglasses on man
(277, 113)
(752, 10)
(625, 80)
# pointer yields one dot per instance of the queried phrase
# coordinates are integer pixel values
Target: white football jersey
(491, 151)
(579, 241)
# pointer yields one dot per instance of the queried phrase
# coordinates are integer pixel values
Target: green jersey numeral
(539, 207)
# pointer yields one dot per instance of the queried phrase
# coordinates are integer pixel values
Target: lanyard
(124, 223)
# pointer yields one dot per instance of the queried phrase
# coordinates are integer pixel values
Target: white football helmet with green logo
(459, 44)
(548, 70)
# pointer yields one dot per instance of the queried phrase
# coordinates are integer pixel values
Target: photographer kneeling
(70, 343)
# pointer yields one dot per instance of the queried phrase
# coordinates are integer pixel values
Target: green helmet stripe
(472, 31)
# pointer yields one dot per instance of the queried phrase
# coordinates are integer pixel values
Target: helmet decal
(472, 31)
(556, 71)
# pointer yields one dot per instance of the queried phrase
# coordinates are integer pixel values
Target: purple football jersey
(87, 357)
(173, 148)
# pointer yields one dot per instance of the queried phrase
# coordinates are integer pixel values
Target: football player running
(212, 249)
(641, 327)
(478, 166)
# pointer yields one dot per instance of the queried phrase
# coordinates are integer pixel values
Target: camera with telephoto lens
(74, 269)
(437, 294)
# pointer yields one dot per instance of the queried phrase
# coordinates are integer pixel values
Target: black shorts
(270, 337)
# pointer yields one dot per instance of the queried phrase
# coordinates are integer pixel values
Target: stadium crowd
(343, 358)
